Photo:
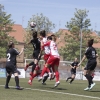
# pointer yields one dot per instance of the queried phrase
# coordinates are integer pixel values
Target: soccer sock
(7, 80)
(48, 70)
(34, 75)
(45, 78)
(72, 80)
(57, 76)
(69, 78)
(89, 79)
(17, 80)
(33, 67)
(32, 63)
(43, 71)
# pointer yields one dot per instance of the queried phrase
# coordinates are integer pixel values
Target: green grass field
(37, 91)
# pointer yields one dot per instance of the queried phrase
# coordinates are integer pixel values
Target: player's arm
(46, 44)
(21, 52)
(84, 57)
(41, 51)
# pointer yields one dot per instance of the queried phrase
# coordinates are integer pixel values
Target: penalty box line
(58, 92)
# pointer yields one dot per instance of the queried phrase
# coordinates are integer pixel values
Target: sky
(58, 11)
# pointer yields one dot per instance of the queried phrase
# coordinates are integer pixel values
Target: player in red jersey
(53, 59)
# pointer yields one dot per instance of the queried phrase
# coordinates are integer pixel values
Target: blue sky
(58, 11)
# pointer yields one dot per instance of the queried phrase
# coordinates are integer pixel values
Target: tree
(72, 39)
(5, 27)
(42, 23)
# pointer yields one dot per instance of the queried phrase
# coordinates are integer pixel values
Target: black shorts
(36, 54)
(91, 65)
(73, 71)
(10, 68)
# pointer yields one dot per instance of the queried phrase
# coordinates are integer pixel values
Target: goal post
(64, 69)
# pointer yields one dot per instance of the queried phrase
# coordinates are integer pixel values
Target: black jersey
(36, 44)
(90, 53)
(11, 56)
(74, 64)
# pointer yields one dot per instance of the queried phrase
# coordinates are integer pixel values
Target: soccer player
(37, 71)
(37, 48)
(74, 65)
(11, 68)
(53, 59)
(91, 56)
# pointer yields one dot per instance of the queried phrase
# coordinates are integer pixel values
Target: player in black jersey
(11, 68)
(37, 48)
(91, 56)
(74, 65)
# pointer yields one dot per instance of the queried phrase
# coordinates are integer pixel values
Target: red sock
(43, 71)
(34, 75)
(47, 70)
(57, 76)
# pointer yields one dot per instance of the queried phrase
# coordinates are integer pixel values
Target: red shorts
(46, 56)
(37, 67)
(52, 60)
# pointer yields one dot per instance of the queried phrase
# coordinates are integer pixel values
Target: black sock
(69, 78)
(33, 67)
(72, 80)
(32, 63)
(17, 80)
(45, 78)
(7, 80)
(89, 79)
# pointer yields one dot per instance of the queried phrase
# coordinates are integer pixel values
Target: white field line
(58, 92)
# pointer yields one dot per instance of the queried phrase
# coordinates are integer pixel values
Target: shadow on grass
(95, 91)
(14, 88)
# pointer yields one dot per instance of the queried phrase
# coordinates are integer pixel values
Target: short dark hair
(43, 33)
(34, 34)
(49, 38)
(90, 42)
(10, 45)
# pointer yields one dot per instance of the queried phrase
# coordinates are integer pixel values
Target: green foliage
(5, 27)
(42, 23)
(72, 40)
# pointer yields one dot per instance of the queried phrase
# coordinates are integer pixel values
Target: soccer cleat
(30, 82)
(40, 78)
(67, 80)
(6, 87)
(56, 84)
(86, 89)
(43, 83)
(92, 85)
(70, 82)
(26, 67)
(19, 88)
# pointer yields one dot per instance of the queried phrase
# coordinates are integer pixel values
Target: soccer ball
(32, 24)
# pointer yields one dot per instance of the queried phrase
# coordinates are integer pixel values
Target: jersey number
(8, 57)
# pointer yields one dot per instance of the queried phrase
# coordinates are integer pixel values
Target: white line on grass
(59, 92)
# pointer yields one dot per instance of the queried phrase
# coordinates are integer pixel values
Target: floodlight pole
(81, 47)
(80, 43)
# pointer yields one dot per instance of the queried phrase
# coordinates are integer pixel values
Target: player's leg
(69, 77)
(8, 80)
(30, 64)
(35, 73)
(8, 70)
(44, 70)
(72, 78)
(88, 77)
(56, 64)
(44, 79)
(91, 71)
